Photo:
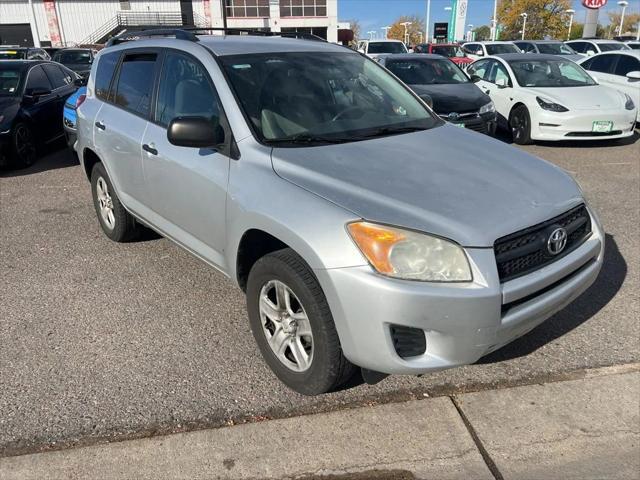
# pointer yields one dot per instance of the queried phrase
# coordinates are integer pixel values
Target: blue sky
(374, 14)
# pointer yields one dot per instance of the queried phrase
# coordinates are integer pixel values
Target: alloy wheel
(286, 326)
(25, 145)
(105, 203)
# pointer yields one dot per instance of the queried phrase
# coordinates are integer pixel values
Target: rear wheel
(23, 142)
(292, 324)
(116, 222)
(520, 125)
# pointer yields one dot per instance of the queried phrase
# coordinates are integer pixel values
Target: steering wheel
(346, 113)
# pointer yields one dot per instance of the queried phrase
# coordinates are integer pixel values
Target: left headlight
(629, 105)
(409, 255)
(488, 108)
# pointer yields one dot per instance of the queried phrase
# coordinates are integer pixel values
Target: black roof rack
(190, 34)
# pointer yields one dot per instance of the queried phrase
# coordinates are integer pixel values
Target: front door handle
(148, 148)
(100, 125)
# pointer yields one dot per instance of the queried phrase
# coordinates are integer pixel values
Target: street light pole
(470, 34)
(371, 32)
(494, 21)
(427, 22)
(623, 4)
(524, 23)
(386, 31)
(406, 32)
(571, 13)
(34, 22)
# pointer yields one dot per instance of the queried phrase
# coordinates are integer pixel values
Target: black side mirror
(80, 81)
(475, 78)
(33, 95)
(195, 132)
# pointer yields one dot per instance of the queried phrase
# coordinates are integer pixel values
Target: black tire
(23, 145)
(329, 369)
(124, 226)
(520, 125)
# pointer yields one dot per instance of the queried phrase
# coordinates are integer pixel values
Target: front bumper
(69, 124)
(482, 123)
(578, 125)
(5, 148)
(461, 322)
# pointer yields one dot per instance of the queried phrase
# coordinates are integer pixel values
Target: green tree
(482, 32)
(414, 30)
(545, 18)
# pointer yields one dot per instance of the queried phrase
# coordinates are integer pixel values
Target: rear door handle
(150, 149)
(100, 125)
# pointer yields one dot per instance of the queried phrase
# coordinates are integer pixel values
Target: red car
(449, 50)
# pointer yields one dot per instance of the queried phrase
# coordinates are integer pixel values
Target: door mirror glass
(502, 82)
(195, 132)
(634, 75)
(475, 78)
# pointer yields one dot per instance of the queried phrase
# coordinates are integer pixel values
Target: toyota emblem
(557, 241)
(454, 116)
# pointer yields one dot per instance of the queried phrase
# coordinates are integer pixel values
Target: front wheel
(25, 150)
(292, 324)
(520, 125)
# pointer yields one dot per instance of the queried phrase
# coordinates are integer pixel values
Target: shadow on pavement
(55, 156)
(610, 280)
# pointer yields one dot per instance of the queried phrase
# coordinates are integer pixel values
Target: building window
(303, 8)
(125, 5)
(247, 8)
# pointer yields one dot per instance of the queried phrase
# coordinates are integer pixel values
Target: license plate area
(602, 126)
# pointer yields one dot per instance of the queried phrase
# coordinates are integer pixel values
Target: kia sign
(594, 4)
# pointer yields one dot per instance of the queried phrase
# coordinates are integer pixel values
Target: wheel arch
(89, 159)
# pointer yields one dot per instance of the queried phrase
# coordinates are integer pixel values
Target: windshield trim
(258, 137)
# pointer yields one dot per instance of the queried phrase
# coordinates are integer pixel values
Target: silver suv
(364, 230)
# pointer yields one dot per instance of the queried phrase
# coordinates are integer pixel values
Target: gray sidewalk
(578, 429)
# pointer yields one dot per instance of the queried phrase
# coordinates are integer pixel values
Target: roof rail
(178, 33)
(256, 31)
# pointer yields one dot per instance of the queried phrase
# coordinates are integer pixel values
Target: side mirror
(195, 132)
(590, 53)
(475, 78)
(480, 53)
(427, 99)
(361, 50)
(34, 94)
(80, 82)
(411, 50)
(635, 75)
(502, 83)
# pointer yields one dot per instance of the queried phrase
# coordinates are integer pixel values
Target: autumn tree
(414, 30)
(630, 22)
(545, 18)
(482, 32)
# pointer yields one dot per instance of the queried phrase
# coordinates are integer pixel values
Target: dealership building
(80, 22)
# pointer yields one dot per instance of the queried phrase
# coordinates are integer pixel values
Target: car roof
(633, 53)
(595, 40)
(22, 63)
(491, 42)
(382, 40)
(539, 41)
(411, 56)
(508, 57)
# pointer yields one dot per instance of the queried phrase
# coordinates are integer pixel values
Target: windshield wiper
(383, 131)
(308, 138)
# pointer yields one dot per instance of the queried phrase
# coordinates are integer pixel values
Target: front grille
(408, 341)
(526, 251)
(593, 134)
(477, 125)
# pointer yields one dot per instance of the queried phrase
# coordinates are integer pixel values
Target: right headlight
(547, 104)
(409, 255)
(487, 108)
(629, 105)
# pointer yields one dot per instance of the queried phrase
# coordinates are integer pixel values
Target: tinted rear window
(104, 73)
(135, 83)
(57, 76)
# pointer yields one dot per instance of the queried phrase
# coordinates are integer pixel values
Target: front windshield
(73, 57)
(387, 47)
(426, 72)
(609, 47)
(447, 51)
(322, 98)
(498, 48)
(9, 80)
(12, 54)
(550, 73)
(556, 48)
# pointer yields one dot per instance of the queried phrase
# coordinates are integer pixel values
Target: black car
(11, 52)
(453, 96)
(77, 59)
(32, 96)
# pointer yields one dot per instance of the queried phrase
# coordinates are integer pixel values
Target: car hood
(445, 181)
(9, 106)
(462, 97)
(596, 97)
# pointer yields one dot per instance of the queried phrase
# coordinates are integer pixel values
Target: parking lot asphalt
(102, 341)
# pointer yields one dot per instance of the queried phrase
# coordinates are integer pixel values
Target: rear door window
(135, 82)
(104, 73)
(603, 63)
(580, 47)
(57, 76)
(626, 64)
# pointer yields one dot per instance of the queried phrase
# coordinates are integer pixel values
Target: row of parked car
(535, 89)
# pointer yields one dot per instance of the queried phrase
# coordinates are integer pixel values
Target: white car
(591, 47)
(477, 50)
(619, 69)
(633, 44)
(373, 48)
(546, 97)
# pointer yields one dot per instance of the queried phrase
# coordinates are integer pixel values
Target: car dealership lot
(100, 340)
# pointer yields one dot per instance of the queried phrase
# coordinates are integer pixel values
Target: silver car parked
(364, 230)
